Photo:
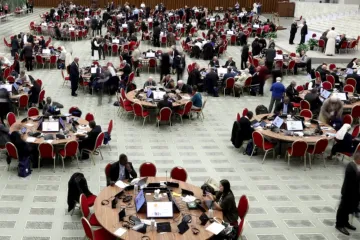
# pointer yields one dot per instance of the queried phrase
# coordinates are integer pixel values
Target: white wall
(351, 2)
(312, 9)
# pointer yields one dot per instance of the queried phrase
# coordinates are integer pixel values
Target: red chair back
(147, 169)
(11, 118)
(187, 108)
(327, 85)
(165, 114)
(89, 117)
(299, 88)
(131, 77)
(99, 140)
(138, 110)
(320, 146)
(321, 43)
(107, 170)
(229, 83)
(115, 48)
(298, 148)
(110, 127)
(258, 139)
(87, 228)
(347, 119)
(248, 82)
(238, 117)
(152, 62)
(356, 131)
(317, 75)
(10, 79)
(291, 65)
(304, 104)
(279, 64)
(71, 148)
(351, 81)
(39, 82)
(332, 66)
(348, 88)
(355, 111)
(23, 101)
(243, 207)
(84, 206)
(255, 62)
(6, 72)
(306, 113)
(178, 173)
(12, 151)
(292, 54)
(245, 111)
(330, 78)
(33, 112)
(46, 150)
(53, 59)
(39, 59)
(73, 108)
(41, 95)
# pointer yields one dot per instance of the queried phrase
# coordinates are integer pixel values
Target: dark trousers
(291, 39)
(261, 87)
(156, 41)
(74, 86)
(29, 63)
(302, 40)
(269, 65)
(101, 52)
(342, 215)
(179, 73)
(243, 63)
(136, 64)
(13, 51)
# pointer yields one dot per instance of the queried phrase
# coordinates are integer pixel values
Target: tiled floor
(284, 204)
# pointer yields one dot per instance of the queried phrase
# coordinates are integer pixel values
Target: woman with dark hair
(225, 201)
(352, 63)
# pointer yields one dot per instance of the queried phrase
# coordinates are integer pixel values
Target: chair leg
(304, 162)
(252, 152)
(181, 119)
(100, 153)
(62, 159)
(39, 165)
(264, 156)
(310, 160)
(77, 161)
(324, 158)
(54, 164)
(92, 158)
(144, 121)
(288, 162)
(134, 119)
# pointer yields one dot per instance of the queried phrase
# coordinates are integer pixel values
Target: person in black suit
(74, 76)
(165, 65)
(355, 76)
(14, 46)
(245, 126)
(349, 196)
(212, 80)
(269, 58)
(121, 170)
(164, 103)
(30, 38)
(256, 49)
(188, 38)
(313, 98)
(292, 93)
(244, 56)
(156, 35)
(182, 87)
(34, 94)
(214, 62)
(338, 44)
(194, 78)
(27, 53)
(89, 141)
(229, 63)
(293, 31)
(303, 32)
(285, 107)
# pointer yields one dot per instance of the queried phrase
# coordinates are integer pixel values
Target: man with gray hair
(278, 90)
(150, 82)
(74, 76)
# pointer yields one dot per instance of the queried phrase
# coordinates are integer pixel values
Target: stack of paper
(30, 139)
(120, 232)
(215, 228)
(188, 198)
(121, 184)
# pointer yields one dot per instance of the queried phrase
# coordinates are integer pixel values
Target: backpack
(261, 109)
(249, 148)
(76, 112)
(24, 167)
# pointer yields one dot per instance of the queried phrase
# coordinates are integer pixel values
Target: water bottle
(136, 190)
(152, 226)
(61, 131)
(211, 213)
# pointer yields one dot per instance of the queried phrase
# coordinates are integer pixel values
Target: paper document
(49, 141)
(29, 124)
(121, 184)
(147, 222)
(30, 139)
(120, 232)
(215, 228)
(188, 198)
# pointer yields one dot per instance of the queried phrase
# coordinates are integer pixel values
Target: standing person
(259, 8)
(349, 196)
(136, 55)
(303, 32)
(244, 56)
(255, 8)
(179, 64)
(165, 65)
(278, 90)
(331, 42)
(101, 51)
(27, 53)
(94, 25)
(14, 46)
(269, 58)
(293, 31)
(262, 75)
(5, 104)
(74, 76)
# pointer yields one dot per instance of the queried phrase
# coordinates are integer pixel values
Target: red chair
(348, 154)
(23, 103)
(230, 84)
(261, 143)
(306, 113)
(85, 210)
(98, 234)
(163, 40)
(317, 75)
(245, 111)
(52, 61)
(297, 149)
(39, 82)
(39, 60)
(232, 39)
(6, 72)
(140, 112)
(279, 64)
(343, 46)
(351, 81)
(304, 105)
(349, 88)
(70, 150)
(290, 67)
(89, 117)
(321, 44)
(72, 35)
(184, 111)
(126, 107)
(147, 169)
(114, 49)
(11, 118)
(355, 112)
(330, 78)
(292, 54)
(10, 79)
(12, 152)
(347, 119)
(221, 50)
(98, 143)
(107, 135)
(107, 173)
(238, 117)
(280, 52)
(41, 95)
(164, 116)
(355, 132)
(242, 209)
(152, 64)
(46, 151)
(327, 85)
(178, 173)
(33, 112)
(332, 66)
(300, 88)
(318, 149)
(255, 62)
(64, 78)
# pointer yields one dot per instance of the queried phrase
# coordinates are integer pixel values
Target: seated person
(245, 126)
(121, 170)
(338, 44)
(315, 84)
(62, 56)
(284, 107)
(188, 38)
(355, 76)
(168, 82)
(89, 141)
(303, 62)
(331, 110)
(194, 77)
(229, 63)
(337, 79)
(214, 62)
(344, 141)
(23, 78)
(229, 74)
(50, 107)
(323, 72)
(225, 201)
(240, 80)
(150, 82)
(313, 98)
(126, 70)
(164, 103)
(182, 87)
(196, 98)
(292, 93)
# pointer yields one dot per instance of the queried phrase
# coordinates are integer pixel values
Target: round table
(131, 96)
(109, 218)
(31, 126)
(282, 137)
(346, 106)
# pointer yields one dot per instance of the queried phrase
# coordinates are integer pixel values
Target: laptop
(294, 126)
(149, 93)
(159, 209)
(325, 94)
(8, 87)
(278, 122)
(139, 200)
(62, 123)
(341, 96)
(15, 89)
(50, 126)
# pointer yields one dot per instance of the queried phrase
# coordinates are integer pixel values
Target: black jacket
(245, 53)
(185, 88)
(157, 31)
(114, 172)
(15, 44)
(279, 107)
(236, 137)
(291, 92)
(28, 51)
(304, 30)
(270, 55)
(90, 141)
(76, 186)
(194, 77)
(350, 187)
(4, 135)
(34, 91)
(246, 128)
(256, 49)
(315, 103)
(165, 64)
(214, 63)
(231, 64)
(74, 72)
(212, 79)
(164, 103)
(293, 28)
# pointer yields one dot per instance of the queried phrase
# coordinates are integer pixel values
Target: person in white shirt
(331, 42)
(62, 56)
(315, 84)
(111, 69)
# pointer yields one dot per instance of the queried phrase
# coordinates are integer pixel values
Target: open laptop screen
(160, 209)
(294, 125)
(50, 126)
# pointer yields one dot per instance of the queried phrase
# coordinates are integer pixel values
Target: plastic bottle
(136, 188)
(211, 213)
(152, 226)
